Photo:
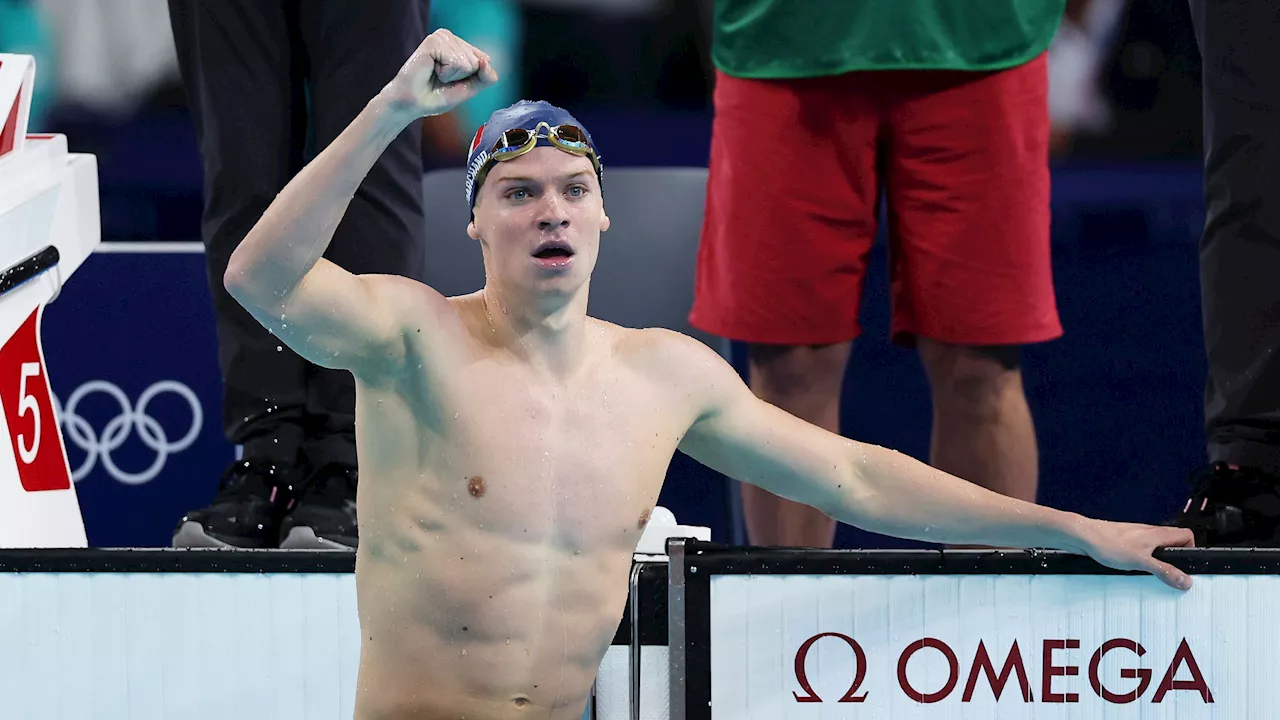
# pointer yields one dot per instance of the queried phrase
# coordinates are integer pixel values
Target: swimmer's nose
(552, 213)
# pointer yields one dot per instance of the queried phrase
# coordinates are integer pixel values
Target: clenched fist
(442, 73)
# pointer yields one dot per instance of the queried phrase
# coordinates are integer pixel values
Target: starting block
(49, 224)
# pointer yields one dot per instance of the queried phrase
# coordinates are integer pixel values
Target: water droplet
(455, 416)
(508, 641)
(279, 349)
(464, 652)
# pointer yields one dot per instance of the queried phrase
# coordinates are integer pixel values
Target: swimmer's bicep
(759, 444)
(339, 320)
(752, 441)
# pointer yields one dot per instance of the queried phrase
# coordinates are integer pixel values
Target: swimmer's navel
(475, 486)
(520, 702)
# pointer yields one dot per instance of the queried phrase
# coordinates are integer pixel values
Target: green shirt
(806, 38)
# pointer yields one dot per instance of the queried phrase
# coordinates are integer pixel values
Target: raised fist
(442, 73)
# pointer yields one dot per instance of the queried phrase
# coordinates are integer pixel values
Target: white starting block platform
(49, 224)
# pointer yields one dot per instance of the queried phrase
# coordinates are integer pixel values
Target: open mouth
(553, 253)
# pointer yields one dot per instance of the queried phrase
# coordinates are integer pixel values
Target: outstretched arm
(326, 314)
(882, 490)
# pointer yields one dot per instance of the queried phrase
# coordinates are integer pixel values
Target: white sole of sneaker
(304, 538)
(192, 535)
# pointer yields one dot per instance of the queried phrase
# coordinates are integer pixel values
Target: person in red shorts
(822, 109)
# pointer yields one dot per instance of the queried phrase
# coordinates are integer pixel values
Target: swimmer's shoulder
(668, 356)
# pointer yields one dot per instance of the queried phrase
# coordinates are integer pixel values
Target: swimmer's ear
(604, 220)
(472, 231)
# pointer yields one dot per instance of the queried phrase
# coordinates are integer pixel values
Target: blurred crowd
(1124, 76)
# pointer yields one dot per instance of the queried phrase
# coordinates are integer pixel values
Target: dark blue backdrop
(136, 322)
(1117, 402)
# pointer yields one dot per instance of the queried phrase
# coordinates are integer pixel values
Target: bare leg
(806, 382)
(982, 427)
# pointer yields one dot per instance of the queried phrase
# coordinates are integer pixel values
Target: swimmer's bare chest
(498, 515)
(576, 464)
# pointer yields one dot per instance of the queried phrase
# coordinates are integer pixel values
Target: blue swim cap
(526, 115)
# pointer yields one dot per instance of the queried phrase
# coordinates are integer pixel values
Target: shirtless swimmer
(511, 447)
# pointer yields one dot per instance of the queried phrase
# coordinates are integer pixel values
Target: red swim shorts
(798, 168)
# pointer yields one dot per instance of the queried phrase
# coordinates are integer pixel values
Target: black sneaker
(253, 496)
(1232, 506)
(325, 516)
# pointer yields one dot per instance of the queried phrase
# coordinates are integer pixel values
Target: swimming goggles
(517, 141)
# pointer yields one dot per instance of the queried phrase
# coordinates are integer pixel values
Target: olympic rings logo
(99, 447)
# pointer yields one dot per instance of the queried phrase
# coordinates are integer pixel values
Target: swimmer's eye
(577, 190)
(518, 194)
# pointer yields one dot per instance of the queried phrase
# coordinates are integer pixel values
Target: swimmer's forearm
(298, 226)
(900, 496)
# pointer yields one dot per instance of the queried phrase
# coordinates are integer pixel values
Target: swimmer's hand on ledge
(898, 495)
(905, 497)
(442, 73)
(1127, 546)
